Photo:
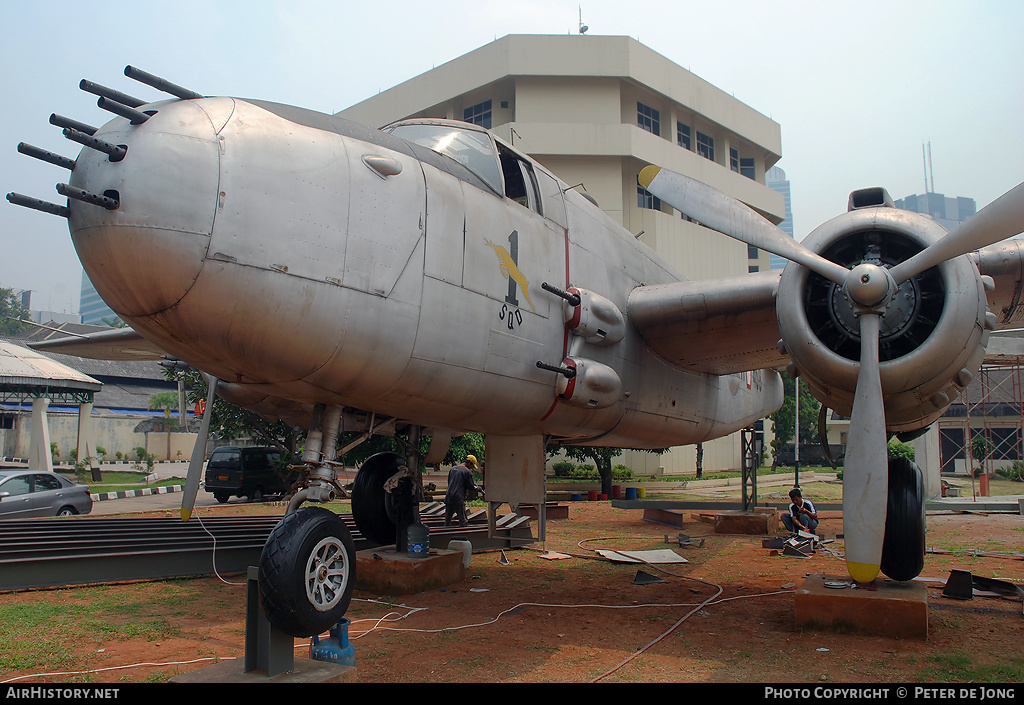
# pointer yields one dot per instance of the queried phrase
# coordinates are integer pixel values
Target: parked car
(38, 493)
(247, 472)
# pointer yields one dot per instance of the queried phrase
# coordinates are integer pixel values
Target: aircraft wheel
(372, 508)
(306, 572)
(904, 544)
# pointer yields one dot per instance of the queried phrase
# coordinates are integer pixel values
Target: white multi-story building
(595, 110)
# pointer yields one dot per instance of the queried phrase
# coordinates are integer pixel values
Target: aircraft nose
(144, 243)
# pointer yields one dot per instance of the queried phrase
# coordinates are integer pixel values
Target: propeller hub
(868, 285)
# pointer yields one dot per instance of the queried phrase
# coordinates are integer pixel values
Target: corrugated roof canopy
(26, 374)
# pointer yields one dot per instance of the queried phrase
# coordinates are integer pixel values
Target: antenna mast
(927, 163)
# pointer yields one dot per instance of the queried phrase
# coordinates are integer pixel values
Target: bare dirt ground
(726, 615)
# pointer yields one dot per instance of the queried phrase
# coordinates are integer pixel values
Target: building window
(747, 167)
(734, 160)
(752, 268)
(479, 114)
(683, 136)
(645, 200)
(752, 252)
(705, 146)
(648, 118)
(6, 421)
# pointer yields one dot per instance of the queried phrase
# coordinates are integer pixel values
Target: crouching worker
(801, 515)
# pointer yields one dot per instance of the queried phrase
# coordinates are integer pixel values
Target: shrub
(901, 450)
(622, 472)
(563, 468)
(1015, 472)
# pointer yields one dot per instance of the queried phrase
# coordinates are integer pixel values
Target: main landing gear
(307, 568)
(306, 572)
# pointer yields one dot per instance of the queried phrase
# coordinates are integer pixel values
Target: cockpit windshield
(470, 148)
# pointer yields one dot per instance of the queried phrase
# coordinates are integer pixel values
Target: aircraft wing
(120, 344)
(721, 326)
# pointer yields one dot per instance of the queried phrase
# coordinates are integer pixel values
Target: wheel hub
(327, 573)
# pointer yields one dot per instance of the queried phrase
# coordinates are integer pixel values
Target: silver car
(36, 493)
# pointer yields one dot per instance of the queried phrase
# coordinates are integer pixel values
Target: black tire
(221, 497)
(307, 570)
(372, 507)
(257, 495)
(904, 545)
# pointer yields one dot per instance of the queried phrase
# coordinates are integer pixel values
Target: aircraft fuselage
(305, 259)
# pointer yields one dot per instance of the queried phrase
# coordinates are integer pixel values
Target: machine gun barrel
(573, 299)
(68, 123)
(41, 154)
(95, 199)
(116, 96)
(37, 204)
(137, 117)
(567, 372)
(160, 84)
(115, 151)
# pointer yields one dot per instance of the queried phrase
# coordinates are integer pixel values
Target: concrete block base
(385, 571)
(305, 671)
(893, 609)
(749, 523)
(668, 517)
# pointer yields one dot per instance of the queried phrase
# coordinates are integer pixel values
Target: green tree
(11, 313)
(229, 421)
(164, 401)
(784, 419)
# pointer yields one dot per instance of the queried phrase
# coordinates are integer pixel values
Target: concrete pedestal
(750, 523)
(893, 609)
(305, 671)
(385, 571)
(668, 517)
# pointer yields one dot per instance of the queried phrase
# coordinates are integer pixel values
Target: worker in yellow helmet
(460, 481)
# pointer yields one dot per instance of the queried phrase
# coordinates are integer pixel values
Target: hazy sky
(857, 86)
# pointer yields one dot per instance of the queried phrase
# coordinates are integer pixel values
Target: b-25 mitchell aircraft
(429, 277)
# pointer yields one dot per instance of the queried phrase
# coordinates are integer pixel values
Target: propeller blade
(195, 463)
(1000, 219)
(725, 214)
(866, 467)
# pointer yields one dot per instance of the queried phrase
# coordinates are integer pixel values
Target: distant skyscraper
(775, 179)
(92, 307)
(947, 212)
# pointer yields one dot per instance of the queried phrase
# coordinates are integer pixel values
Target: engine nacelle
(933, 331)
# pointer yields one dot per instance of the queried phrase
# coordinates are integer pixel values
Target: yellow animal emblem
(510, 269)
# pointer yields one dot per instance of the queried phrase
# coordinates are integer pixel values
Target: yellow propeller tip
(647, 175)
(862, 572)
(186, 514)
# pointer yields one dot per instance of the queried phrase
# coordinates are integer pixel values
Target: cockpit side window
(520, 181)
